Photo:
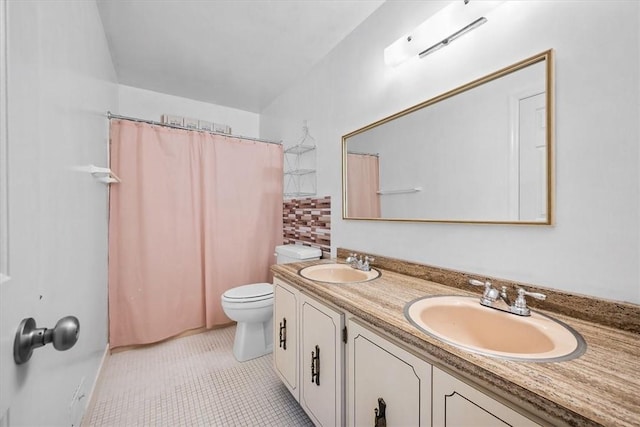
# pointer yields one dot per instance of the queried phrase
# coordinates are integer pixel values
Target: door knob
(63, 336)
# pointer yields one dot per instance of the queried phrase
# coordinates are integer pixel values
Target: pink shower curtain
(195, 215)
(363, 183)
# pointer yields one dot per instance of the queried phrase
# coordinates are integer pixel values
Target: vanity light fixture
(449, 24)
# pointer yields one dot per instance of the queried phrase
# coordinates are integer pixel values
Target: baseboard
(91, 402)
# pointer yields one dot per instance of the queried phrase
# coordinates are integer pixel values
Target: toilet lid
(256, 291)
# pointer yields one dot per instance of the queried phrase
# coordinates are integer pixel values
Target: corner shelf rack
(300, 167)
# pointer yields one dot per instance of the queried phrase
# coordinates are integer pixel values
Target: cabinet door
(285, 348)
(379, 369)
(321, 362)
(457, 404)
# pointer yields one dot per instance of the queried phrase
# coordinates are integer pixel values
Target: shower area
(196, 213)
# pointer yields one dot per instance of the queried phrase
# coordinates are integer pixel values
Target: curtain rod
(364, 154)
(151, 122)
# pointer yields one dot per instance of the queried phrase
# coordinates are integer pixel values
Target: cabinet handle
(381, 419)
(283, 333)
(315, 366)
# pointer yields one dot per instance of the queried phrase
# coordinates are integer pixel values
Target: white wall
(61, 81)
(594, 246)
(146, 104)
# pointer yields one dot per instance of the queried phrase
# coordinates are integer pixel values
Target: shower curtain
(363, 183)
(196, 214)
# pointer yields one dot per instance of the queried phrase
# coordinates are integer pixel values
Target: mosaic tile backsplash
(308, 222)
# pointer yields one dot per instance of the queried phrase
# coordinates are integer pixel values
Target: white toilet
(251, 306)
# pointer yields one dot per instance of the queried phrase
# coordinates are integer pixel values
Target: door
(285, 348)
(456, 403)
(21, 195)
(379, 369)
(528, 168)
(54, 91)
(14, 301)
(321, 358)
(533, 158)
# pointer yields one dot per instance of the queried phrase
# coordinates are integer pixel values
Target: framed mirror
(480, 153)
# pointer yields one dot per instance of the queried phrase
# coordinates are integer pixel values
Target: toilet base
(253, 340)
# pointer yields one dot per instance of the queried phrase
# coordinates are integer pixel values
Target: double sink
(461, 321)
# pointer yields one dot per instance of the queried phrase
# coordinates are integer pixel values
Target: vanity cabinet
(285, 341)
(308, 353)
(309, 356)
(378, 369)
(321, 362)
(456, 403)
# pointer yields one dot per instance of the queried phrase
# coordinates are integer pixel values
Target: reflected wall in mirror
(479, 153)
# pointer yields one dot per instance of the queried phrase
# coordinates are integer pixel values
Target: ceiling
(240, 54)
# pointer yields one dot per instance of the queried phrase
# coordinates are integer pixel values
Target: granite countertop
(602, 387)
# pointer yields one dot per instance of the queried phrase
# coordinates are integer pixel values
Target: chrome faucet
(363, 264)
(351, 259)
(491, 295)
(504, 296)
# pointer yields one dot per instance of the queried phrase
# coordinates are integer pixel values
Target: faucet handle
(522, 292)
(475, 282)
(490, 294)
(487, 284)
(520, 307)
(369, 259)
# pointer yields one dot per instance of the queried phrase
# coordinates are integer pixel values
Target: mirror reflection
(479, 153)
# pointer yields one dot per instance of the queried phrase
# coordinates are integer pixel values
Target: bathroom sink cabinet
(414, 392)
(378, 369)
(311, 365)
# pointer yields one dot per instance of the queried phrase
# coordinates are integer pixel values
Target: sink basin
(337, 273)
(463, 322)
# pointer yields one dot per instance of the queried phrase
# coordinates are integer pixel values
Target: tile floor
(192, 381)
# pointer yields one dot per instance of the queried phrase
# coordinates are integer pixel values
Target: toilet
(251, 306)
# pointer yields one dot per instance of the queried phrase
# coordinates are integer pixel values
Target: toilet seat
(249, 293)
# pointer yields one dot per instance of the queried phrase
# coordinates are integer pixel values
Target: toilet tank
(296, 253)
